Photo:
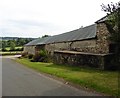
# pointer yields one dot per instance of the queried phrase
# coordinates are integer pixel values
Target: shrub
(12, 50)
(43, 53)
(4, 49)
(40, 56)
(43, 56)
(24, 54)
(21, 49)
(17, 49)
(30, 56)
(36, 57)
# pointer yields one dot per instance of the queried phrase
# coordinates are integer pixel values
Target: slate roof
(35, 42)
(79, 34)
(105, 18)
(102, 19)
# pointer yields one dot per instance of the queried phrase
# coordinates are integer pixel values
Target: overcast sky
(35, 18)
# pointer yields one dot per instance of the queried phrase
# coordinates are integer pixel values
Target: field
(8, 48)
(10, 53)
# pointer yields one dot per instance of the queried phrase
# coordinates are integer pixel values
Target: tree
(0, 44)
(45, 36)
(4, 44)
(113, 22)
(12, 46)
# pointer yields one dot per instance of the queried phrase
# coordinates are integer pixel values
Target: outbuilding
(91, 40)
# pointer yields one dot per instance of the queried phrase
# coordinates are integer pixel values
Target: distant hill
(14, 38)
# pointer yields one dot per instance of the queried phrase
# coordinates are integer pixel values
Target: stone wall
(29, 49)
(39, 47)
(99, 61)
(56, 46)
(82, 46)
(102, 41)
(33, 49)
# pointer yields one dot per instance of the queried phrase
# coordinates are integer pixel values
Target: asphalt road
(18, 80)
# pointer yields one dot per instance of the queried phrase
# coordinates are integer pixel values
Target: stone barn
(84, 46)
(35, 45)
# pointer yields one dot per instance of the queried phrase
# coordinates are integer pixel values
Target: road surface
(18, 80)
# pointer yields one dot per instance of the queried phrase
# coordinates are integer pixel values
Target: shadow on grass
(79, 68)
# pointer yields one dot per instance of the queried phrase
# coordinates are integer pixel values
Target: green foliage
(12, 46)
(113, 22)
(4, 49)
(30, 56)
(112, 25)
(40, 56)
(4, 44)
(45, 36)
(17, 42)
(0, 44)
(43, 55)
(36, 57)
(13, 43)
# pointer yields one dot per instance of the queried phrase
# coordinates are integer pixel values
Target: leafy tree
(45, 36)
(113, 22)
(0, 44)
(7, 42)
(22, 41)
(12, 45)
(4, 44)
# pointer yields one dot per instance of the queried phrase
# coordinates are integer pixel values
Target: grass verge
(101, 81)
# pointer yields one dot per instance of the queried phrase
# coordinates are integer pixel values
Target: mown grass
(101, 81)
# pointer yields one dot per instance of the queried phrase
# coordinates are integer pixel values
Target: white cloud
(34, 18)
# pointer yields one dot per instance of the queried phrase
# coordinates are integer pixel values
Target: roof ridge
(78, 34)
